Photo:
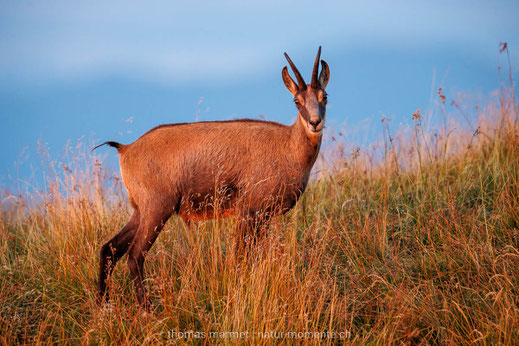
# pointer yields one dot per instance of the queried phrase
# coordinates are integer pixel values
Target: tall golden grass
(416, 241)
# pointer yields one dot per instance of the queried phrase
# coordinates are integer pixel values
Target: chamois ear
(324, 77)
(289, 82)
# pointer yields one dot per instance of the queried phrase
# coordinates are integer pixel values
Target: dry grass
(417, 241)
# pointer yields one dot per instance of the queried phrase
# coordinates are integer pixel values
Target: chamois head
(310, 99)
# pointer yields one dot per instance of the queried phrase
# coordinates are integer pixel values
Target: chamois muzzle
(315, 125)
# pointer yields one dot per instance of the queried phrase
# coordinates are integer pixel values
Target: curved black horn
(315, 81)
(300, 80)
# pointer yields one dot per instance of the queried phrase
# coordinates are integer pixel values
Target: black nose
(315, 123)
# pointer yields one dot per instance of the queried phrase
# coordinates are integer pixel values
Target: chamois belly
(209, 204)
(231, 201)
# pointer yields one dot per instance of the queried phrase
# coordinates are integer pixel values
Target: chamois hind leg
(151, 223)
(113, 250)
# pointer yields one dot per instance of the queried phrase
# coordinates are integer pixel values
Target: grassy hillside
(417, 241)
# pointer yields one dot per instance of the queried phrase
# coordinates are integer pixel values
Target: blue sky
(73, 69)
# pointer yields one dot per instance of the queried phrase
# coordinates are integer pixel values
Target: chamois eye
(324, 98)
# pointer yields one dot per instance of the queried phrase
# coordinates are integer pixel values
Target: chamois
(245, 168)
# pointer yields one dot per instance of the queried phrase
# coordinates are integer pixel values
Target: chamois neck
(305, 146)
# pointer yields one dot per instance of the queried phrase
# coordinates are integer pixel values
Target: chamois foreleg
(250, 229)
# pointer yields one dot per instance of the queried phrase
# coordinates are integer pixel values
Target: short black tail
(110, 143)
